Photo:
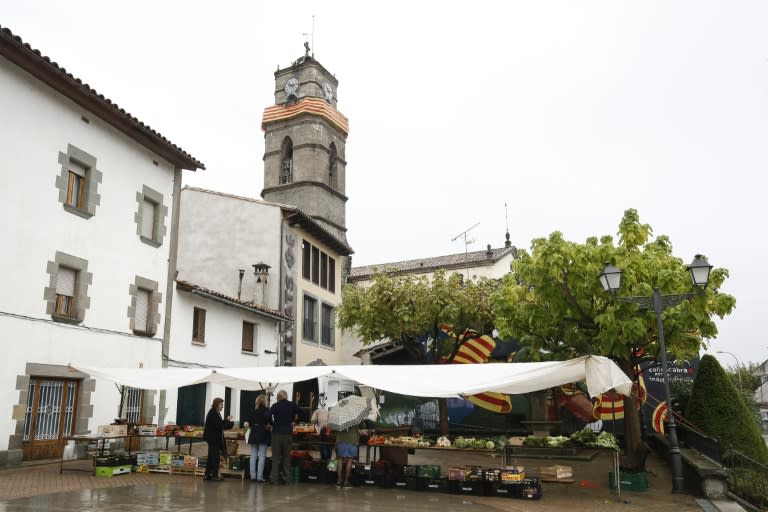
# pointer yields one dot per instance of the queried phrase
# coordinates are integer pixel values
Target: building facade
(88, 196)
(290, 267)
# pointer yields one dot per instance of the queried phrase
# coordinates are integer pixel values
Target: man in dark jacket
(281, 416)
(214, 436)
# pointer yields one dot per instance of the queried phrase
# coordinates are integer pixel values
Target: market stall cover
(599, 373)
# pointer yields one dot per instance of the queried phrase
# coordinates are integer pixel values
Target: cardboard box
(556, 472)
(164, 458)
(112, 430)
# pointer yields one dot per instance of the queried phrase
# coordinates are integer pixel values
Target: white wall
(219, 234)
(44, 123)
(223, 343)
(38, 124)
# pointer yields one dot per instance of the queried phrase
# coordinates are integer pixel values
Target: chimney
(261, 271)
(240, 283)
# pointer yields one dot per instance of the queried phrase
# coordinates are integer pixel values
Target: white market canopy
(436, 381)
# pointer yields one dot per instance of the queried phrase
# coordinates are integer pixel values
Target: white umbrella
(348, 412)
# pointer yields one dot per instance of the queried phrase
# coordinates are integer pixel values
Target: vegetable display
(586, 438)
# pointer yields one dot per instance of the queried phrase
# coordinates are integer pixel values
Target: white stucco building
(88, 197)
(299, 274)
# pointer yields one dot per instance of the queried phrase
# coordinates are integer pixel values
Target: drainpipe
(173, 249)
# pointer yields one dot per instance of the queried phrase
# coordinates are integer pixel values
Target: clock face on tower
(292, 85)
(328, 91)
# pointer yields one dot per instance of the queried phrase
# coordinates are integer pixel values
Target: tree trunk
(635, 450)
(442, 405)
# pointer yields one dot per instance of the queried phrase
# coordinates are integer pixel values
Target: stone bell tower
(305, 145)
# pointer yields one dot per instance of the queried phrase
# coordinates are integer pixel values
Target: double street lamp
(699, 270)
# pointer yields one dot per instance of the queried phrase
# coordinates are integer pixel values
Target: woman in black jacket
(214, 436)
(258, 437)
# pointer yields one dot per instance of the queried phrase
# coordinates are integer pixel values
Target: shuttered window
(65, 291)
(198, 325)
(148, 219)
(249, 335)
(76, 190)
(142, 310)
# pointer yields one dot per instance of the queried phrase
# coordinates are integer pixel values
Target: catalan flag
(476, 349)
(659, 416)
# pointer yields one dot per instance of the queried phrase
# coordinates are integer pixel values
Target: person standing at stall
(281, 417)
(346, 451)
(320, 418)
(213, 434)
(258, 437)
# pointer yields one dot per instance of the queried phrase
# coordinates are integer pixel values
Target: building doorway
(49, 416)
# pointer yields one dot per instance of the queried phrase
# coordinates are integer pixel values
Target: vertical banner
(288, 262)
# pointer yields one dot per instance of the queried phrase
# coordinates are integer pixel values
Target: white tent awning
(599, 373)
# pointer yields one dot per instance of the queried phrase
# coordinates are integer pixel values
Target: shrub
(717, 408)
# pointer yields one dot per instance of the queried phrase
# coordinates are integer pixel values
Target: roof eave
(48, 72)
(224, 300)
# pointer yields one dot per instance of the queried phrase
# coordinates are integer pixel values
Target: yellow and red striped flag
(476, 349)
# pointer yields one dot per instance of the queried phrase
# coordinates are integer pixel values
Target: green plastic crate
(431, 471)
(629, 481)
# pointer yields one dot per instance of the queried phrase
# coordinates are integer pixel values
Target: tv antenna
(467, 241)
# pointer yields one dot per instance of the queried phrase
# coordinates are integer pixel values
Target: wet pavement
(43, 488)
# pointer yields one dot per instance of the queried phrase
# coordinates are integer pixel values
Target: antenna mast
(466, 244)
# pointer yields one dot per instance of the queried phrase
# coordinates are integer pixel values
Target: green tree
(553, 303)
(717, 407)
(409, 309)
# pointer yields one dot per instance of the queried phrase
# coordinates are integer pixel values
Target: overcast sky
(567, 112)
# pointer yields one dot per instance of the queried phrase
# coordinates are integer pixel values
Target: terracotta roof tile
(220, 297)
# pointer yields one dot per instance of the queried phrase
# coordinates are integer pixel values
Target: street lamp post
(738, 366)
(699, 270)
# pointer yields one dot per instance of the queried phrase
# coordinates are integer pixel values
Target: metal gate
(50, 416)
(132, 403)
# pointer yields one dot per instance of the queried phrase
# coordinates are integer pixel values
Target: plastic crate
(629, 481)
(431, 471)
(470, 487)
(434, 484)
(109, 471)
(412, 483)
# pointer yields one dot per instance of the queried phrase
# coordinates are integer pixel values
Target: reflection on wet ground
(235, 496)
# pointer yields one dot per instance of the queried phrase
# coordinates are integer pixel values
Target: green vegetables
(585, 437)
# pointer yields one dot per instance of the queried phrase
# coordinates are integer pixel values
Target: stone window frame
(82, 281)
(93, 179)
(153, 310)
(161, 212)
